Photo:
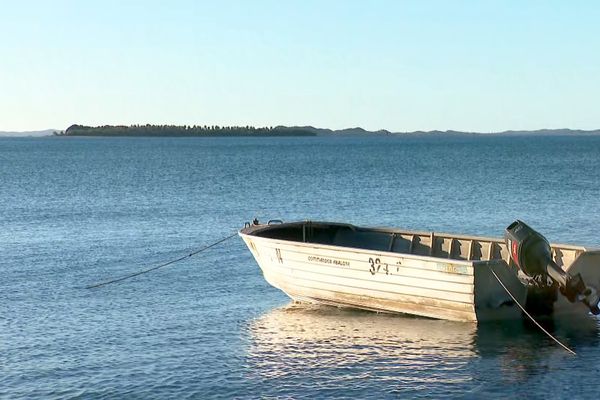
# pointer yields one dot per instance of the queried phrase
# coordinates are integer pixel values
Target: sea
(78, 211)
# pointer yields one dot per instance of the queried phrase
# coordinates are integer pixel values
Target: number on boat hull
(376, 265)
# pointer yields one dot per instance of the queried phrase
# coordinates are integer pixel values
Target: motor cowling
(532, 254)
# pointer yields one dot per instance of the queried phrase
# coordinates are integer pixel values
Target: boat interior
(431, 244)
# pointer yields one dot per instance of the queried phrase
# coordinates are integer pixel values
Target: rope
(162, 265)
(530, 317)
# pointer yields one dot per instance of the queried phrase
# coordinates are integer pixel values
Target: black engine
(531, 252)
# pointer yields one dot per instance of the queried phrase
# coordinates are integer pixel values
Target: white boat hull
(434, 287)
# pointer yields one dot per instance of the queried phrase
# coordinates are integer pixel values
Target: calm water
(78, 211)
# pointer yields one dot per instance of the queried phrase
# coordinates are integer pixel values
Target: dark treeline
(184, 130)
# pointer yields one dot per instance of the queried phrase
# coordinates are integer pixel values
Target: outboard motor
(531, 252)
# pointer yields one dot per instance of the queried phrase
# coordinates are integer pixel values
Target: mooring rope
(530, 317)
(162, 265)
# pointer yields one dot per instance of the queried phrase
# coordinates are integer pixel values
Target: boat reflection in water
(327, 346)
(304, 346)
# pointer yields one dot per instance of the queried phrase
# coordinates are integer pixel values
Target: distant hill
(45, 132)
(552, 132)
(339, 132)
(383, 132)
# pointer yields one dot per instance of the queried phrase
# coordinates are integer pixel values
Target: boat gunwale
(252, 229)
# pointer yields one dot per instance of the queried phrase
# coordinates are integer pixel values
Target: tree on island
(182, 130)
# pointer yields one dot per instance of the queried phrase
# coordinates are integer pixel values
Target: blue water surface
(76, 211)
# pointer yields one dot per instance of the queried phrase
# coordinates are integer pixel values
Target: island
(183, 131)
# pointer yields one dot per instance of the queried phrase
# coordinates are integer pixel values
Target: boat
(428, 274)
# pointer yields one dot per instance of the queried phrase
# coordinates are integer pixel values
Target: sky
(480, 66)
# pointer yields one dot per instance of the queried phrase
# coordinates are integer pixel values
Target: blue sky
(398, 65)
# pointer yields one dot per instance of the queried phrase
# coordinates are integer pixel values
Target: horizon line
(382, 130)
